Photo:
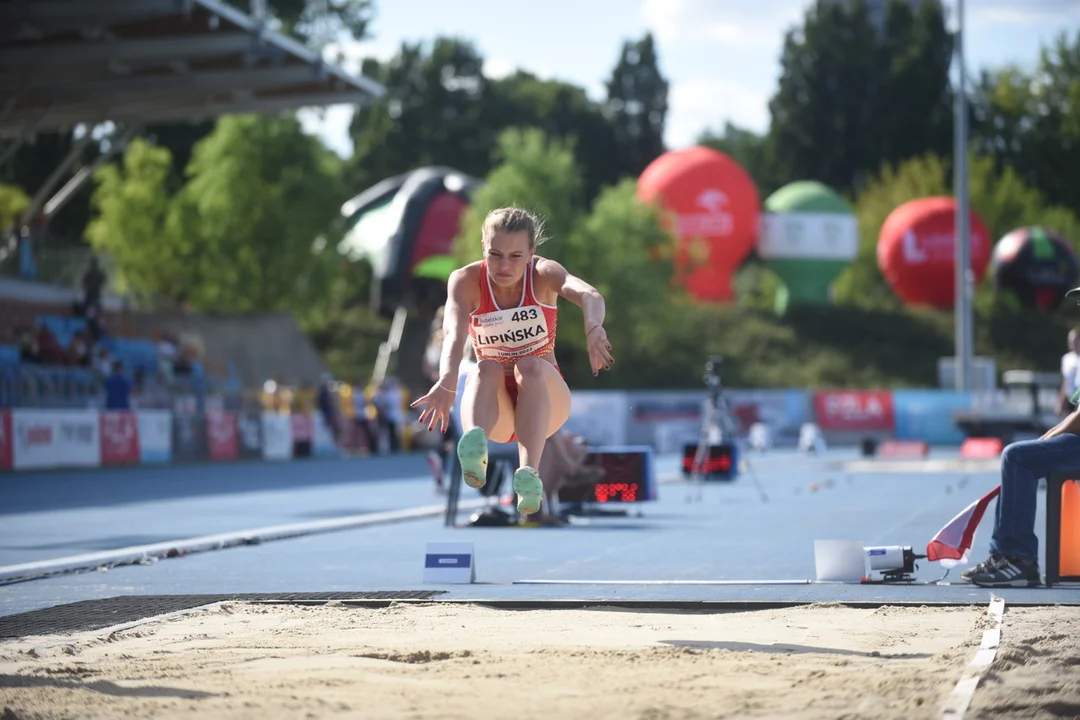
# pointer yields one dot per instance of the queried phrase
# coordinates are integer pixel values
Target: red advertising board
(222, 436)
(855, 410)
(6, 453)
(119, 437)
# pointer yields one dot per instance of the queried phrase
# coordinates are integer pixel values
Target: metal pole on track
(963, 279)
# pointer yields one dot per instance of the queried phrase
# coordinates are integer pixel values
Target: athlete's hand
(439, 404)
(599, 350)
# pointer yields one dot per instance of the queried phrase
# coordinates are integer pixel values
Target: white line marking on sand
(960, 698)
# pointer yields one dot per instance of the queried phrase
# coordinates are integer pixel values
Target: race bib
(510, 334)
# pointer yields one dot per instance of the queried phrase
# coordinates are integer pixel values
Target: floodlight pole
(964, 282)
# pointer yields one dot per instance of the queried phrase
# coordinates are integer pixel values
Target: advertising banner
(119, 437)
(277, 436)
(855, 410)
(663, 420)
(6, 440)
(599, 416)
(189, 437)
(155, 435)
(222, 435)
(55, 438)
(927, 415)
(249, 427)
(782, 411)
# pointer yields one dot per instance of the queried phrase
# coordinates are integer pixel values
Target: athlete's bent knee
(529, 369)
(489, 370)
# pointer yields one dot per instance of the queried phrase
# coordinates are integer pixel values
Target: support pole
(964, 281)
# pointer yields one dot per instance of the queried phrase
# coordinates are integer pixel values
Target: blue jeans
(1023, 464)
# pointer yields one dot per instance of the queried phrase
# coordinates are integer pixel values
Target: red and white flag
(952, 543)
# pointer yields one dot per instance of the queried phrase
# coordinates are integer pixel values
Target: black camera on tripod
(713, 366)
(714, 456)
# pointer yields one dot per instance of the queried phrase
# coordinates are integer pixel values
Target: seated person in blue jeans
(1014, 548)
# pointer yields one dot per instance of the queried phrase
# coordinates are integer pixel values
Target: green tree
(317, 22)
(535, 173)
(12, 202)
(565, 112)
(862, 283)
(1001, 199)
(132, 224)
(851, 98)
(239, 236)
(913, 109)
(1031, 121)
(748, 149)
(637, 104)
(622, 249)
(435, 112)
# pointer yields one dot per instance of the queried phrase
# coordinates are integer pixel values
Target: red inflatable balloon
(711, 200)
(916, 251)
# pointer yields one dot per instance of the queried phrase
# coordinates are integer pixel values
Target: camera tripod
(718, 425)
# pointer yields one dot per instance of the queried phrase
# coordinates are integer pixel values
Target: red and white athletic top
(509, 334)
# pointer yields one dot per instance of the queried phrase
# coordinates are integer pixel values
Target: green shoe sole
(529, 489)
(472, 452)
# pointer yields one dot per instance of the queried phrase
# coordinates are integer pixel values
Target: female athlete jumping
(506, 305)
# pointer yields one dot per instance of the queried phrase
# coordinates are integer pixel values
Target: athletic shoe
(1004, 572)
(977, 569)
(472, 451)
(529, 489)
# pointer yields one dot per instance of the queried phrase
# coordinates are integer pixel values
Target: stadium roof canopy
(138, 62)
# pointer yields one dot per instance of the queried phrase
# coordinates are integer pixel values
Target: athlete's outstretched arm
(591, 302)
(455, 327)
(439, 401)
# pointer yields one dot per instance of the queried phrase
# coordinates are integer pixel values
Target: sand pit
(464, 661)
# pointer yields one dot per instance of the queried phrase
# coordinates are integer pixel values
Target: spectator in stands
(93, 283)
(79, 353)
(389, 404)
(103, 364)
(52, 352)
(29, 352)
(328, 407)
(167, 354)
(364, 420)
(117, 389)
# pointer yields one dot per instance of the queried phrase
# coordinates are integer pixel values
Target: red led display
(718, 461)
(616, 492)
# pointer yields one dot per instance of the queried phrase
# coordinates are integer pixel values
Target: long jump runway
(359, 584)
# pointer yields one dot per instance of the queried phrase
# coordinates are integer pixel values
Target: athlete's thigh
(504, 424)
(559, 397)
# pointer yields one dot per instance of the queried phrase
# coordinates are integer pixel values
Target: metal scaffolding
(71, 63)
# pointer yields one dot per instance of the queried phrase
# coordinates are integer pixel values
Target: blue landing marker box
(450, 563)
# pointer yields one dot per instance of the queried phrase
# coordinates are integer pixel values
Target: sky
(721, 57)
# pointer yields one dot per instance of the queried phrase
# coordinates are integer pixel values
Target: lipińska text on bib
(511, 334)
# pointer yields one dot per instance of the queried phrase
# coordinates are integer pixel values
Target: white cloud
(699, 104)
(1006, 12)
(496, 67)
(737, 22)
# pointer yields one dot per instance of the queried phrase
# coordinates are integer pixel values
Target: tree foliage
(536, 173)
(1030, 122)
(851, 98)
(637, 105)
(1001, 199)
(239, 235)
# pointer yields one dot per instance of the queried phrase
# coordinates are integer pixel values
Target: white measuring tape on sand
(960, 699)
